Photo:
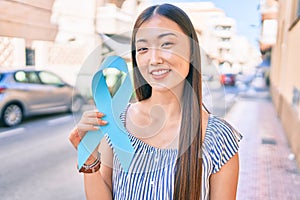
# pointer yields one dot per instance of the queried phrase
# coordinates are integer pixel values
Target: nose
(156, 56)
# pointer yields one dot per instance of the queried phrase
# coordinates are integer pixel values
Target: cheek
(142, 65)
(182, 62)
(184, 69)
(182, 50)
(141, 60)
(185, 60)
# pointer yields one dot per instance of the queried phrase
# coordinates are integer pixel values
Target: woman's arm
(98, 185)
(223, 184)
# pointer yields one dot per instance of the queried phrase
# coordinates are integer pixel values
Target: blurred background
(50, 50)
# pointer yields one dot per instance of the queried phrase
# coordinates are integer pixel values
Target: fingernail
(100, 115)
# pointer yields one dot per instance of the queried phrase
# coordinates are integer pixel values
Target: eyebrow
(159, 37)
(166, 34)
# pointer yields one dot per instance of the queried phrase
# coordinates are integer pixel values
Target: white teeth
(160, 72)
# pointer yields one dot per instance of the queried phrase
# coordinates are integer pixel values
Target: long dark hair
(189, 163)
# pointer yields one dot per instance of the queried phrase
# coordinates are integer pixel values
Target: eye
(142, 50)
(167, 44)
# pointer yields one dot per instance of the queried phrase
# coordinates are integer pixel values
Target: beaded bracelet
(94, 167)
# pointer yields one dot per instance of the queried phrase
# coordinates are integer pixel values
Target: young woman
(181, 150)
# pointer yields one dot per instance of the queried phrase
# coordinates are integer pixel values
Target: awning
(28, 19)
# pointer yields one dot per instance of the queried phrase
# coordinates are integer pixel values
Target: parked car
(227, 79)
(27, 92)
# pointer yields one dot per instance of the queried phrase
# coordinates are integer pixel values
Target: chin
(160, 87)
(163, 88)
(166, 87)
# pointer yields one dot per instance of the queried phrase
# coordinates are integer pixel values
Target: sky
(245, 12)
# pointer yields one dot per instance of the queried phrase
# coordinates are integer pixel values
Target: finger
(93, 113)
(83, 128)
(93, 121)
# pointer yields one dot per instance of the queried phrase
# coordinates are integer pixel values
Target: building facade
(285, 71)
(228, 51)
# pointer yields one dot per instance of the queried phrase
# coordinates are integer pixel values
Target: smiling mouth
(160, 72)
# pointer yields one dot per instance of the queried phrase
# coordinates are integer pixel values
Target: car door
(59, 94)
(30, 91)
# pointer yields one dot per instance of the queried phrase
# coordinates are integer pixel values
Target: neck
(169, 101)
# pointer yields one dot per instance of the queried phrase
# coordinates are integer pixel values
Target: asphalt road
(38, 162)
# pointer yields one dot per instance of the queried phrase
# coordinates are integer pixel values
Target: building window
(30, 57)
(296, 97)
(223, 39)
(222, 28)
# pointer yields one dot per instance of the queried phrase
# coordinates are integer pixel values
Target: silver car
(28, 92)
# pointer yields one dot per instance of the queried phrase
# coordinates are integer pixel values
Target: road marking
(59, 120)
(12, 132)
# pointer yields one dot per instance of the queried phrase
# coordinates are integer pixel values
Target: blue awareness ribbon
(112, 108)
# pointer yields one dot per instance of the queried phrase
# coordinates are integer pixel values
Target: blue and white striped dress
(151, 173)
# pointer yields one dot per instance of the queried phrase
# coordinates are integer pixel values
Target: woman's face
(162, 53)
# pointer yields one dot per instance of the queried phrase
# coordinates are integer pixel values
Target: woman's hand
(90, 121)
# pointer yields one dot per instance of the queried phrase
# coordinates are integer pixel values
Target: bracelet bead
(92, 168)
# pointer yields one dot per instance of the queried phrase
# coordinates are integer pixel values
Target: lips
(159, 73)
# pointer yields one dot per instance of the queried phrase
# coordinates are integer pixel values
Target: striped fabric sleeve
(108, 140)
(226, 143)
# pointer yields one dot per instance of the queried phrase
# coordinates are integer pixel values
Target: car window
(27, 77)
(50, 79)
(20, 76)
(33, 77)
(1, 76)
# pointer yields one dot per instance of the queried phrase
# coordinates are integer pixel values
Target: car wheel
(76, 105)
(12, 115)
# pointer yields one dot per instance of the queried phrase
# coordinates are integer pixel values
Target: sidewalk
(267, 168)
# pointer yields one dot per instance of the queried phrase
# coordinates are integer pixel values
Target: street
(38, 162)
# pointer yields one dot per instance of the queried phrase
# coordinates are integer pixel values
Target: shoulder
(131, 109)
(220, 129)
(222, 141)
